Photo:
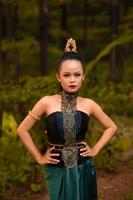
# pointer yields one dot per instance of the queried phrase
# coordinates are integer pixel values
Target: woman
(68, 162)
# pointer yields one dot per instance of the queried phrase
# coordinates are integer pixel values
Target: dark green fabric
(77, 183)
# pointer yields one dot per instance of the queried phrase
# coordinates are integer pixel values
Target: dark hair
(70, 56)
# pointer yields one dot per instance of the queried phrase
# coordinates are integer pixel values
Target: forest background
(32, 38)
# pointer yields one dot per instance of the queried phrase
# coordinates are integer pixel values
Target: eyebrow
(74, 72)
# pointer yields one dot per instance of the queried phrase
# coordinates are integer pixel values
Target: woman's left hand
(87, 151)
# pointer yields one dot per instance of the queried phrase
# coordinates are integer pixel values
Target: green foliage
(17, 166)
(9, 124)
(29, 89)
(112, 98)
(129, 196)
(35, 187)
(110, 156)
(16, 163)
(125, 38)
(27, 43)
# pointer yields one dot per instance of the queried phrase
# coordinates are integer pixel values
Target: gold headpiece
(70, 46)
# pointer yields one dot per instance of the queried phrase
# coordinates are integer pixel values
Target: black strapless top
(54, 126)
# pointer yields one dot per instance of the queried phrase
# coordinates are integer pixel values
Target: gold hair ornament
(70, 46)
(33, 115)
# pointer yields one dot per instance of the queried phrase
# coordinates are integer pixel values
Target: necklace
(68, 107)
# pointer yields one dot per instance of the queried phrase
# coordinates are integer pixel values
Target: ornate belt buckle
(70, 155)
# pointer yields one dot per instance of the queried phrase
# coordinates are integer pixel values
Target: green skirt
(77, 183)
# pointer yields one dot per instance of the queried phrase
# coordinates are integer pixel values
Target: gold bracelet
(33, 115)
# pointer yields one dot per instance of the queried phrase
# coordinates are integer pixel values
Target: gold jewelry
(68, 107)
(33, 115)
(70, 46)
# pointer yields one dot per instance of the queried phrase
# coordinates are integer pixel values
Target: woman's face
(70, 75)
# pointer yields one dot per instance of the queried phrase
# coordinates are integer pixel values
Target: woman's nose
(71, 79)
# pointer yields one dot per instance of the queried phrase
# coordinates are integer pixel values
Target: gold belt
(63, 157)
(60, 146)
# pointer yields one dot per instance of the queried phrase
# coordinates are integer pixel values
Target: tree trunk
(85, 27)
(1, 67)
(43, 35)
(127, 5)
(8, 16)
(15, 52)
(15, 9)
(114, 32)
(64, 23)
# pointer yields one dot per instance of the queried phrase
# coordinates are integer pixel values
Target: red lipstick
(72, 86)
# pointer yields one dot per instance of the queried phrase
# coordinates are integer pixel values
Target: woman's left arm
(110, 129)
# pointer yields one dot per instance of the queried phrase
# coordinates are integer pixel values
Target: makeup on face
(71, 75)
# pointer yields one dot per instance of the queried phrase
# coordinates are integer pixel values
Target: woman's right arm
(23, 132)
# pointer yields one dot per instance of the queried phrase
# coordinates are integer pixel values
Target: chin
(72, 90)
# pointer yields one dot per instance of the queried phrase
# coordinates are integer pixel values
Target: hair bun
(70, 46)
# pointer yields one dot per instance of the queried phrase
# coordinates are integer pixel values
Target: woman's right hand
(47, 157)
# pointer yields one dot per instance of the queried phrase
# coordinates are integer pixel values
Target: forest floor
(111, 186)
(118, 186)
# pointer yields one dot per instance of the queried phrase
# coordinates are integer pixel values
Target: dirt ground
(115, 186)
(111, 186)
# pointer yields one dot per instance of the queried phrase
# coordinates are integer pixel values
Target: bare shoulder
(86, 100)
(92, 102)
(46, 100)
(41, 105)
(91, 105)
(39, 109)
(97, 111)
(43, 101)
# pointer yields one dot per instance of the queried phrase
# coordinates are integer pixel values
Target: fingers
(55, 154)
(86, 147)
(85, 143)
(85, 151)
(52, 161)
(49, 152)
(50, 149)
(49, 156)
